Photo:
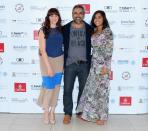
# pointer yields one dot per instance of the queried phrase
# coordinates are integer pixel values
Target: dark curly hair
(105, 21)
(46, 24)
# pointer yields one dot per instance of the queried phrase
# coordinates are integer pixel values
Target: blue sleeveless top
(54, 43)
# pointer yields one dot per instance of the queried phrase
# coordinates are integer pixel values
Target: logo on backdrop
(146, 22)
(2, 7)
(109, 9)
(145, 8)
(144, 62)
(143, 100)
(20, 87)
(36, 74)
(18, 34)
(19, 100)
(126, 36)
(144, 50)
(1, 47)
(87, 8)
(126, 75)
(34, 47)
(38, 8)
(34, 100)
(123, 88)
(1, 61)
(3, 99)
(35, 35)
(35, 61)
(20, 74)
(38, 21)
(126, 49)
(127, 9)
(144, 36)
(20, 48)
(144, 75)
(125, 62)
(125, 101)
(3, 73)
(143, 87)
(19, 21)
(19, 61)
(3, 34)
(127, 22)
(19, 8)
(36, 87)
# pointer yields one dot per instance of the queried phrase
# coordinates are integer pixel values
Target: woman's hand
(104, 71)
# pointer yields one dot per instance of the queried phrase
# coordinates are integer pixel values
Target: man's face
(78, 15)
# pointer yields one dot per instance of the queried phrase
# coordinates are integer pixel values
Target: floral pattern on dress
(95, 97)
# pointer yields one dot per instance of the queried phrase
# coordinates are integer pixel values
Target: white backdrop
(20, 78)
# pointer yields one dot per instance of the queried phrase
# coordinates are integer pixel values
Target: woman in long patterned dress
(95, 97)
(51, 63)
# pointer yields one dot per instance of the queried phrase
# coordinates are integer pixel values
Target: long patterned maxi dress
(95, 97)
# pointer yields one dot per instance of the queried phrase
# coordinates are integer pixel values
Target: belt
(81, 62)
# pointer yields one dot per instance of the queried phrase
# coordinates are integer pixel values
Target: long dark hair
(46, 24)
(105, 21)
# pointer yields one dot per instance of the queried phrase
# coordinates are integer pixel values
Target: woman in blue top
(51, 63)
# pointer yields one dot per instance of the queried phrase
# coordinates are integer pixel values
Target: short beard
(75, 21)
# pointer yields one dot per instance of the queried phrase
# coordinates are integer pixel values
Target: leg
(54, 99)
(46, 115)
(82, 77)
(52, 115)
(55, 95)
(43, 101)
(70, 73)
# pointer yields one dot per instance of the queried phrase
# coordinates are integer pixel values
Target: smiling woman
(95, 97)
(51, 63)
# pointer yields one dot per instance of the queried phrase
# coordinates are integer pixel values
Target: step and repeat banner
(20, 77)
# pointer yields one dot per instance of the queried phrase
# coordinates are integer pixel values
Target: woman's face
(98, 21)
(53, 19)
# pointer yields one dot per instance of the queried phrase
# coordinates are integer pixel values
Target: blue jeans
(70, 73)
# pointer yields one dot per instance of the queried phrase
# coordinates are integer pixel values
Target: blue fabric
(54, 43)
(51, 82)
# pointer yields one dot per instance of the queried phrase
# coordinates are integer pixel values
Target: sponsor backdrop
(20, 78)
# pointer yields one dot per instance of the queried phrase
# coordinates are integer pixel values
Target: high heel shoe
(52, 118)
(46, 117)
